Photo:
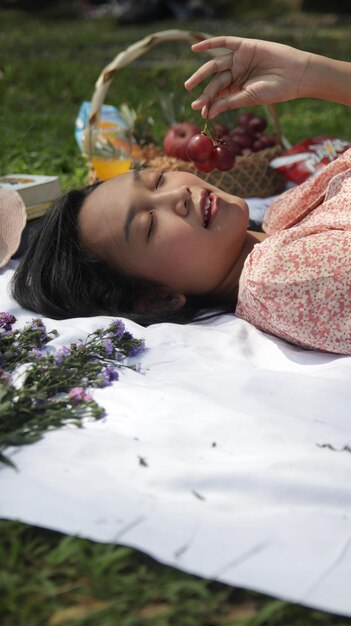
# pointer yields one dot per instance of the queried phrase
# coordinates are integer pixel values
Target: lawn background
(48, 66)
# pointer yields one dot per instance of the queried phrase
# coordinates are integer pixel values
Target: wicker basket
(252, 174)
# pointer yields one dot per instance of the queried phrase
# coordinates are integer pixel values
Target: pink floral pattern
(297, 283)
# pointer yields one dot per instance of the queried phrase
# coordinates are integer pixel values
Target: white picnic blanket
(226, 458)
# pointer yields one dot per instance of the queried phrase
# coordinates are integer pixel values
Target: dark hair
(58, 278)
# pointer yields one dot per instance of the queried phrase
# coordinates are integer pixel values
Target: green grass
(48, 67)
(51, 579)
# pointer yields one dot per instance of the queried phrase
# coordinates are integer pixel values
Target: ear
(149, 303)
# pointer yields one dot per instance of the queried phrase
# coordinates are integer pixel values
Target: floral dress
(297, 283)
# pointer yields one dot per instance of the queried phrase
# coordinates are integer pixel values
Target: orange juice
(107, 168)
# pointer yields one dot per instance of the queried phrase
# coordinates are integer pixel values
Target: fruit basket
(251, 176)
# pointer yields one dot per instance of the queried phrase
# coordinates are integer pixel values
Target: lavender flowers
(53, 389)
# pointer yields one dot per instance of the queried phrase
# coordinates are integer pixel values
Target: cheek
(187, 265)
(178, 252)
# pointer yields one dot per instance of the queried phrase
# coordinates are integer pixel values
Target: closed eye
(160, 180)
(151, 225)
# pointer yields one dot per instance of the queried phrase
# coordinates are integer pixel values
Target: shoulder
(295, 204)
(299, 288)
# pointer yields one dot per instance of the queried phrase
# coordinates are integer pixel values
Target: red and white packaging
(307, 157)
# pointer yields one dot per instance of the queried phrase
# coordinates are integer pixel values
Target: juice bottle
(110, 150)
(107, 168)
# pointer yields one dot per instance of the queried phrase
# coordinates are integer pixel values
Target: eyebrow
(132, 211)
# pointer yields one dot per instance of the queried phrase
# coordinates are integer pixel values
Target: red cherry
(206, 166)
(223, 158)
(200, 148)
(256, 125)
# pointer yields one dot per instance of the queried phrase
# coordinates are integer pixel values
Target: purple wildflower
(108, 347)
(93, 359)
(61, 354)
(136, 349)
(107, 375)
(36, 353)
(78, 394)
(37, 326)
(112, 373)
(7, 318)
(6, 321)
(117, 327)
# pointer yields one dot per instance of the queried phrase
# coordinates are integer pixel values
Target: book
(37, 192)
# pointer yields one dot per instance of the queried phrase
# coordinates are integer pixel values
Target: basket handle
(134, 52)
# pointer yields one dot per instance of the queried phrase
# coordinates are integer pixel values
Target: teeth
(207, 210)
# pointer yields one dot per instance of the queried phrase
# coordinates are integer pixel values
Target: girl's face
(172, 228)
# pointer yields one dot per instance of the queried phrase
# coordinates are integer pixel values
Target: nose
(178, 200)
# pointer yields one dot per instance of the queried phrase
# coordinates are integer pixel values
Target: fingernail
(196, 104)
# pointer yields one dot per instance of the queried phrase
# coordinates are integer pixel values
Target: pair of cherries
(208, 155)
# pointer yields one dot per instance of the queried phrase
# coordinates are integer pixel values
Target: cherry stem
(207, 127)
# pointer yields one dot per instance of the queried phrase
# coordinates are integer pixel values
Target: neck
(229, 286)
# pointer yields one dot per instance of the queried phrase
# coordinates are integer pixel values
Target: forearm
(327, 79)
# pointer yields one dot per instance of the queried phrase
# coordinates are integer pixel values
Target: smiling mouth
(207, 212)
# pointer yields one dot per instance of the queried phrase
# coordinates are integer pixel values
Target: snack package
(307, 157)
(109, 118)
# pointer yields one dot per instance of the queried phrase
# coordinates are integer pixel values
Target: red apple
(175, 142)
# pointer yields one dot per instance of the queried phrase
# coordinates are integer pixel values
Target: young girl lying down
(165, 246)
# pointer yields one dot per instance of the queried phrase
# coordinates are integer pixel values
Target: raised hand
(249, 72)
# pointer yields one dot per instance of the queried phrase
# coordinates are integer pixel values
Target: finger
(230, 102)
(223, 105)
(215, 87)
(217, 42)
(218, 84)
(204, 111)
(200, 102)
(219, 64)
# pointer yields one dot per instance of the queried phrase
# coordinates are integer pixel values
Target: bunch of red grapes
(219, 153)
(208, 155)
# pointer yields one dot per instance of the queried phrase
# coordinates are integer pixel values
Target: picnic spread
(223, 451)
